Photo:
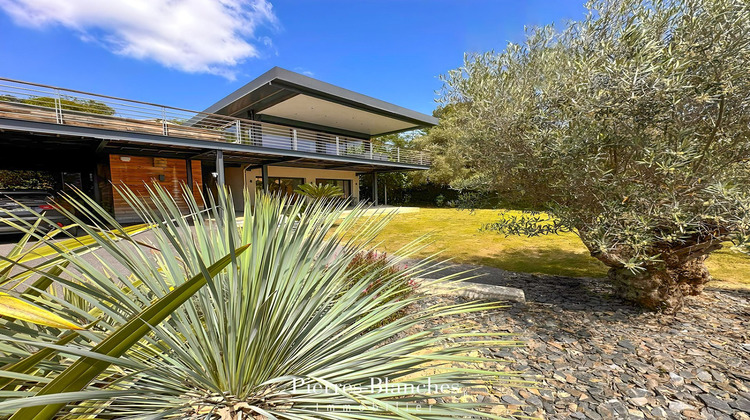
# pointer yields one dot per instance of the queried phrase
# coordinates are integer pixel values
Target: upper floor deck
(53, 106)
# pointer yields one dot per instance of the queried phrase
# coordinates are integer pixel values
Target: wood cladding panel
(197, 181)
(139, 172)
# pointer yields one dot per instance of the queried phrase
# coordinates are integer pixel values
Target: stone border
(474, 290)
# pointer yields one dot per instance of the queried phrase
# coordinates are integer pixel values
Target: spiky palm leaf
(319, 191)
(283, 317)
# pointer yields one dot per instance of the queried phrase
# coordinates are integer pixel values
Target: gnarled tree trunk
(663, 286)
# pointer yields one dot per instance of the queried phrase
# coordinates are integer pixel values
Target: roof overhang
(290, 98)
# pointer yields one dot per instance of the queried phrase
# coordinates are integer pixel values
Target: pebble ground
(597, 357)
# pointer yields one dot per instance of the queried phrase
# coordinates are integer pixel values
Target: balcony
(46, 104)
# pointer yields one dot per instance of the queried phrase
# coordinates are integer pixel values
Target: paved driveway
(8, 241)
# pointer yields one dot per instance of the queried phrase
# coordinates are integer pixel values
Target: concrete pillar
(375, 188)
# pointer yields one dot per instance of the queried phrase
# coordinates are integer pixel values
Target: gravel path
(598, 357)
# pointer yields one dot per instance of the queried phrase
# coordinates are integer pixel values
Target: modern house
(280, 130)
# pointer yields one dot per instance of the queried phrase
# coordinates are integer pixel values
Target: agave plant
(208, 317)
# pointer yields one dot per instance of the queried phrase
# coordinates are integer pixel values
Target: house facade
(276, 132)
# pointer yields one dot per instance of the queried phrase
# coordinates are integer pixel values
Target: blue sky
(194, 54)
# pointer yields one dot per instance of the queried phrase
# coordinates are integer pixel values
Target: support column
(375, 188)
(220, 182)
(264, 176)
(95, 181)
(220, 168)
(385, 191)
(189, 171)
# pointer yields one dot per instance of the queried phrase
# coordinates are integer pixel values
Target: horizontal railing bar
(95, 94)
(122, 106)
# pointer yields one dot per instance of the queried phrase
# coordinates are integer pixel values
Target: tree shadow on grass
(562, 279)
(556, 276)
(554, 261)
(565, 293)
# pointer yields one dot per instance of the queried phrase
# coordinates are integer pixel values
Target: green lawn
(456, 233)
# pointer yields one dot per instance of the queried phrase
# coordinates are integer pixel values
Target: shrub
(23, 179)
(319, 191)
(391, 274)
(284, 306)
(440, 200)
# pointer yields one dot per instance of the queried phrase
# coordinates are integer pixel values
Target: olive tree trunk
(663, 286)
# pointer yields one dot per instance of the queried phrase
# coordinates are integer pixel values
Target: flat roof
(285, 97)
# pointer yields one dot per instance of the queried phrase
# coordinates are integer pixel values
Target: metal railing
(35, 102)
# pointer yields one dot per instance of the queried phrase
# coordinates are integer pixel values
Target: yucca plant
(281, 332)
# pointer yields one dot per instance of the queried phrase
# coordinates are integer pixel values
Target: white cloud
(199, 36)
(304, 71)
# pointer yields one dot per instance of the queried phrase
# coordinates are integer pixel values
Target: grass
(456, 233)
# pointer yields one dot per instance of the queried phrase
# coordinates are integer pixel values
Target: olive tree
(630, 128)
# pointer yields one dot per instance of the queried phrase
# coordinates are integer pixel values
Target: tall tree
(631, 127)
(449, 157)
(390, 181)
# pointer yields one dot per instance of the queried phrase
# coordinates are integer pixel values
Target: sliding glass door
(344, 184)
(285, 186)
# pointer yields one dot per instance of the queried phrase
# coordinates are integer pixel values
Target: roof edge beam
(346, 102)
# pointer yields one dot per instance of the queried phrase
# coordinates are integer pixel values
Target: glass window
(344, 184)
(285, 186)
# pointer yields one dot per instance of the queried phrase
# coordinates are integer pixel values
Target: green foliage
(404, 140)
(449, 156)
(529, 223)
(90, 106)
(319, 191)
(86, 368)
(72, 104)
(25, 180)
(284, 314)
(629, 127)
(368, 261)
(410, 140)
(440, 200)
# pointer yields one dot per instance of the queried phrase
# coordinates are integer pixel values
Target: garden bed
(597, 357)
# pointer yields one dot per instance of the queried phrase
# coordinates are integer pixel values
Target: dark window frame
(347, 182)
